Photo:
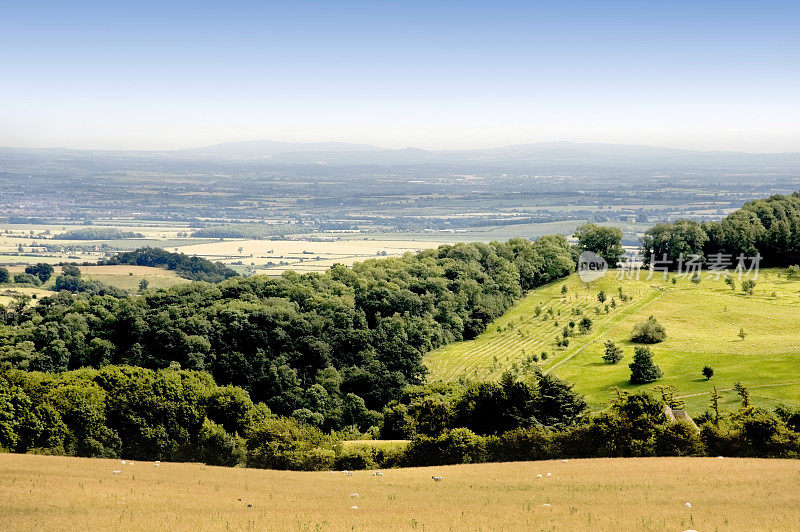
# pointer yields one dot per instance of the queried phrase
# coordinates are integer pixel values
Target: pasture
(61, 493)
(122, 276)
(702, 321)
(273, 257)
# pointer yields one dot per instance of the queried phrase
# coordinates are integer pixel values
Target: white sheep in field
(354, 495)
(377, 474)
(117, 472)
(437, 479)
(545, 505)
(688, 505)
(354, 507)
(539, 475)
(549, 474)
(130, 463)
(123, 462)
(564, 461)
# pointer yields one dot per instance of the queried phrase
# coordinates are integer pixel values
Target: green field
(702, 322)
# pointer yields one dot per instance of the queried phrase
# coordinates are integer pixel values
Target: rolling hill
(702, 322)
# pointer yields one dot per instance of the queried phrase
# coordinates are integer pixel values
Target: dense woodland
(265, 371)
(769, 227)
(365, 328)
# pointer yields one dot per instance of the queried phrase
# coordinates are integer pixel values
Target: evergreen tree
(643, 369)
(613, 354)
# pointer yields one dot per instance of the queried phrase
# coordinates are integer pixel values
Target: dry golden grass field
(47, 493)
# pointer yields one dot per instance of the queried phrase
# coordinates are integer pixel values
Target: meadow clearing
(123, 276)
(702, 321)
(63, 493)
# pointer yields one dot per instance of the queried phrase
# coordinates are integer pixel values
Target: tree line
(136, 413)
(769, 227)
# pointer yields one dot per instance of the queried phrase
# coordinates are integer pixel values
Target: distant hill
(519, 157)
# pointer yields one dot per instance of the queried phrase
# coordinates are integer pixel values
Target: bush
(355, 457)
(748, 286)
(678, 439)
(519, 445)
(27, 279)
(648, 332)
(285, 443)
(458, 446)
(220, 448)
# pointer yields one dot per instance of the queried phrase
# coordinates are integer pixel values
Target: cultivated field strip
(520, 333)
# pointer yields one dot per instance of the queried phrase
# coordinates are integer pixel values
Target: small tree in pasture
(613, 353)
(643, 369)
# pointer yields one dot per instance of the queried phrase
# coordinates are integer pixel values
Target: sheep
(377, 474)
(437, 479)
(539, 475)
(117, 472)
(688, 505)
(354, 507)
(130, 463)
(564, 461)
(123, 462)
(349, 473)
(549, 474)
(545, 505)
(354, 495)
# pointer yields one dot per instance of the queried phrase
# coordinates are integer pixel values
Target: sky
(434, 74)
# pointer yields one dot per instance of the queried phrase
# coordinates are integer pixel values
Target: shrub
(678, 439)
(285, 443)
(220, 448)
(708, 372)
(748, 286)
(355, 458)
(649, 331)
(27, 279)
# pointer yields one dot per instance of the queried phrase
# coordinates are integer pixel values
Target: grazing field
(702, 321)
(7, 293)
(276, 256)
(122, 276)
(58, 493)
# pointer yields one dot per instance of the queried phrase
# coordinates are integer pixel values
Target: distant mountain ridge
(520, 155)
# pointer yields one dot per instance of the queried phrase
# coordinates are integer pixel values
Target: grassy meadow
(122, 276)
(702, 323)
(61, 493)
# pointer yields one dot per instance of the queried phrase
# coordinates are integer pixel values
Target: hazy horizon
(455, 75)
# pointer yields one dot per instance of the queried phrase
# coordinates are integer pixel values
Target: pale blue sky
(429, 74)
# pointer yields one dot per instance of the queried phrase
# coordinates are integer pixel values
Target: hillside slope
(702, 322)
